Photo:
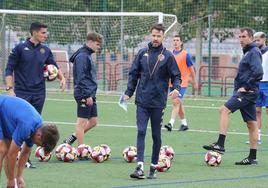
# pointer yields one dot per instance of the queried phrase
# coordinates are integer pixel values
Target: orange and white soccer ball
(50, 72)
(98, 154)
(84, 152)
(213, 158)
(40, 154)
(168, 151)
(108, 151)
(130, 154)
(66, 153)
(164, 163)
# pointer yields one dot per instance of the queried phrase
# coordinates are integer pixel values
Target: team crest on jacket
(42, 51)
(161, 57)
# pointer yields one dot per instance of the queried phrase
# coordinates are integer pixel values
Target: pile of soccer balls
(164, 163)
(67, 153)
(213, 158)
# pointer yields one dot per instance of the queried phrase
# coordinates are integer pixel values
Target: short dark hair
(50, 137)
(248, 30)
(36, 26)
(94, 36)
(159, 27)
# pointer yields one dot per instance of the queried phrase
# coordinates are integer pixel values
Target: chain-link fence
(209, 29)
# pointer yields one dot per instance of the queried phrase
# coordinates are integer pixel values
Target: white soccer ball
(66, 153)
(168, 151)
(98, 154)
(164, 163)
(40, 154)
(130, 154)
(213, 158)
(108, 151)
(84, 152)
(50, 72)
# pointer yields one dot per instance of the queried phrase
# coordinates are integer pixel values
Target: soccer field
(117, 129)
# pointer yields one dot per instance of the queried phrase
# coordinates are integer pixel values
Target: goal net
(124, 34)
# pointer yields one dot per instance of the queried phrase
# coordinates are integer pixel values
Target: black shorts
(36, 100)
(84, 111)
(245, 103)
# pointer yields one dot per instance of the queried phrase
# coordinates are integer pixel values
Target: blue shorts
(243, 102)
(36, 100)
(1, 131)
(262, 99)
(84, 111)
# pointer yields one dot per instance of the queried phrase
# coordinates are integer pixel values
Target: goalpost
(124, 34)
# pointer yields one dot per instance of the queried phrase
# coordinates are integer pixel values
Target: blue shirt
(18, 120)
(27, 62)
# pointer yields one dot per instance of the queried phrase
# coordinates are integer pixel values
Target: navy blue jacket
(250, 69)
(84, 73)
(27, 62)
(152, 92)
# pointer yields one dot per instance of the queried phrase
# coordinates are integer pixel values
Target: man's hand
(11, 92)
(242, 89)
(21, 182)
(174, 94)
(195, 86)
(89, 101)
(126, 98)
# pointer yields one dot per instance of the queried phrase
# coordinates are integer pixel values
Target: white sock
(141, 164)
(259, 134)
(172, 121)
(184, 122)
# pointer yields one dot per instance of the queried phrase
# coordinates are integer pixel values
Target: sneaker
(247, 161)
(29, 164)
(70, 140)
(168, 127)
(138, 173)
(152, 173)
(259, 142)
(183, 128)
(215, 147)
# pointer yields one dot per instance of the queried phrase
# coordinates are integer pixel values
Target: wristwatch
(9, 88)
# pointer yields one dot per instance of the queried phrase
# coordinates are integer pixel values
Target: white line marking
(131, 126)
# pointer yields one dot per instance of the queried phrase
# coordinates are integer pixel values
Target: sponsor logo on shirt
(26, 48)
(42, 51)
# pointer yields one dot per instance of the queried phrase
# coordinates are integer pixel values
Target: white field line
(112, 102)
(134, 127)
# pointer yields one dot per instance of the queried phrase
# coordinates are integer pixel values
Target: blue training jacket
(27, 62)
(152, 89)
(84, 73)
(250, 69)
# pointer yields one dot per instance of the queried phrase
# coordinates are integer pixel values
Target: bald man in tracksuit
(151, 71)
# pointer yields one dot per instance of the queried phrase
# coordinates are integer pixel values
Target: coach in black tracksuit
(85, 87)
(244, 98)
(152, 69)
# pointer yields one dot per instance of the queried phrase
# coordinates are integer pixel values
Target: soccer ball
(40, 154)
(213, 158)
(164, 163)
(108, 151)
(84, 152)
(130, 154)
(167, 151)
(98, 154)
(50, 72)
(66, 153)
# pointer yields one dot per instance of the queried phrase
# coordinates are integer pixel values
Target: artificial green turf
(188, 167)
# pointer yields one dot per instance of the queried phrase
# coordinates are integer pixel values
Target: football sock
(154, 165)
(70, 140)
(172, 122)
(259, 134)
(252, 153)
(184, 122)
(221, 139)
(141, 164)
